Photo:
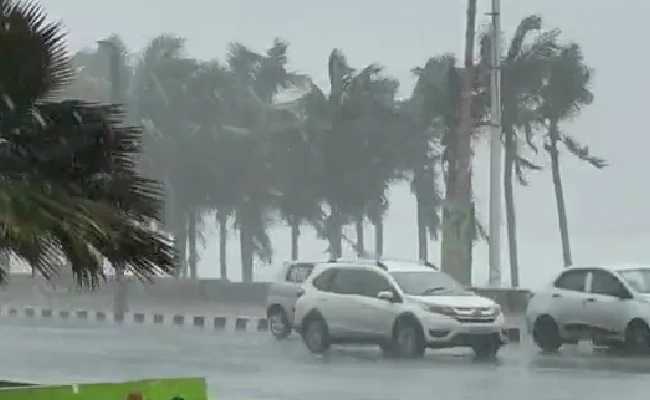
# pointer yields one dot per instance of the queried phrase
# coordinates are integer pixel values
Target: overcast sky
(608, 217)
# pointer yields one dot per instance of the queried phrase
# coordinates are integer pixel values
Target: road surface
(251, 366)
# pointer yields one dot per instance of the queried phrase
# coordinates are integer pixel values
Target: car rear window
(572, 280)
(298, 273)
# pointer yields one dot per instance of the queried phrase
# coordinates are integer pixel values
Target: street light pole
(120, 301)
(495, 147)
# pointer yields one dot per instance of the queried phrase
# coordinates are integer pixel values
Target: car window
(572, 280)
(324, 280)
(360, 282)
(375, 283)
(605, 283)
(348, 281)
(298, 273)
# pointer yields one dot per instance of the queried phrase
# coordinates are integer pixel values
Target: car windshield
(638, 279)
(427, 283)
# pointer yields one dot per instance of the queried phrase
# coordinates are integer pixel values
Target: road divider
(217, 323)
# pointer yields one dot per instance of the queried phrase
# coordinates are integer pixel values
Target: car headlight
(443, 310)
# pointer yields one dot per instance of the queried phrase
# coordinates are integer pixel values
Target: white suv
(403, 307)
(283, 294)
(609, 305)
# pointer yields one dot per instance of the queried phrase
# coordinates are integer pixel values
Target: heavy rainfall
(283, 200)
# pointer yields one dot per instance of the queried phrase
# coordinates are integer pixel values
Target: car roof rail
(381, 265)
(431, 265)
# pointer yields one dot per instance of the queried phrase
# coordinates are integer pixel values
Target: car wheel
(486, 347)
(279, 323)
(408, 341)
(546, 334)
(316, 336)
(637, 337)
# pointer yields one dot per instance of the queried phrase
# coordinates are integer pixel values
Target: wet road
(253, 366)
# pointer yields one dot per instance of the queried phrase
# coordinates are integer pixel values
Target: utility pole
(120, 305)
(495, 147)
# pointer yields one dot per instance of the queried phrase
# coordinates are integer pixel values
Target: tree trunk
(423, 249)
(559, 195)
(246, 254)
(295, 234)
(457, 224)
(511, 223)
(334, 234)
(193, 257)
(180, 242)
(361, 250)
(223, 240)
(379, 237)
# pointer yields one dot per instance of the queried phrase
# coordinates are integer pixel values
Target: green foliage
(70, 192)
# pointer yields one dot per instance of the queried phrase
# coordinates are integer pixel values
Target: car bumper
(451, 332)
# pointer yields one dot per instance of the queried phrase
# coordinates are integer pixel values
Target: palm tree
(431, 112)
(350, 127)
(260, 78)
(164, 100)
(70, 191)
(524, 70)
(563, 95)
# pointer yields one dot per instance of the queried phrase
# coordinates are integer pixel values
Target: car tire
(546, 334)
(315, 335)
(279, 323)
(637, 338)
(486, 348)
(408, 340)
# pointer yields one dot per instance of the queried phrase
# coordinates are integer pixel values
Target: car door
(345, 303)
(323, 298)
(606, 306)
(375, 315)
(567, 302)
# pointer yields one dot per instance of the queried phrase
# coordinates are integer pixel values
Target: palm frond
(582, 152)
(34, 62)
(527, 25)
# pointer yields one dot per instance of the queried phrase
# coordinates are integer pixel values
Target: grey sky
(607, 209)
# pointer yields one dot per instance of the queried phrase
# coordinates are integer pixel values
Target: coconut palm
(260, 78)
(165, 101)
(350, 127)
(431, 112)
(70, 191)
(524, 71)
(563, 95)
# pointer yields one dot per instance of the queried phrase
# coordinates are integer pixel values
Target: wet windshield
(638, 279)
(427, 283)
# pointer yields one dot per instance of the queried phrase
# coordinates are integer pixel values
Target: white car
(283, 294)
(403, 307)
(609, 305)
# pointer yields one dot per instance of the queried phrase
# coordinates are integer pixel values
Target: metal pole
(120, 301)
(495, 148)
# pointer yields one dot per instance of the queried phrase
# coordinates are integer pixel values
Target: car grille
(476, 320)
(475, 315)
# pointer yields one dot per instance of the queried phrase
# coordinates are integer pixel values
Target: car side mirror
(386, 295)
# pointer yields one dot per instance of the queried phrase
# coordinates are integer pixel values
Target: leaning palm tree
(431, 111)
(564, 94)
(349, 127)
(70, 192)
(524, 71)
(163, 100)
(260, 78)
